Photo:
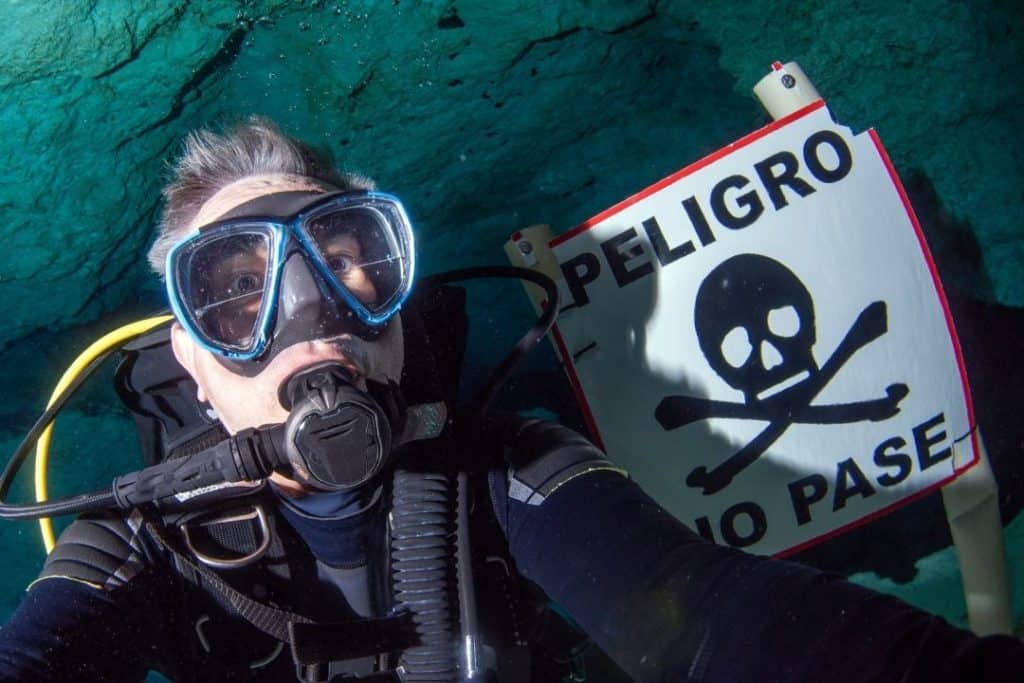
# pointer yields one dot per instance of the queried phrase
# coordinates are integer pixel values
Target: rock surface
(483, 116)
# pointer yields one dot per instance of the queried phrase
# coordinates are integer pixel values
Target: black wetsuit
(664, 603)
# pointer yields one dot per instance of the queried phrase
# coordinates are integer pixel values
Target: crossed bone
(791, 406)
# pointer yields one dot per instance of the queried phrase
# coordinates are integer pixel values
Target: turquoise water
(486, 117)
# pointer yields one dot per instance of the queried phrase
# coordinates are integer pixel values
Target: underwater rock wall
(483, 116)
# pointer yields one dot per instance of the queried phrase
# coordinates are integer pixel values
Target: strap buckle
(209, 526)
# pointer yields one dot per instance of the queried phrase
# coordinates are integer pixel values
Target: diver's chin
(289, 487)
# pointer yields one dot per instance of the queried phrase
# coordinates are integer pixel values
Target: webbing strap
(270, 620)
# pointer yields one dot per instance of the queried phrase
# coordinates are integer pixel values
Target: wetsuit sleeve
(667, 605)
(64, 630)
(92, 615)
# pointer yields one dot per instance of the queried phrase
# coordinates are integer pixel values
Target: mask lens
(223, 283)
(362, 248)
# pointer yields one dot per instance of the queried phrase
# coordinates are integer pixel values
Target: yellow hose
(108, 341)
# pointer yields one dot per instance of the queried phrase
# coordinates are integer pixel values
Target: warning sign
(762, 341)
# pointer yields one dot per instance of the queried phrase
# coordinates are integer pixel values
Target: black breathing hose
(422, 521)
(72, 505)
(63, 506)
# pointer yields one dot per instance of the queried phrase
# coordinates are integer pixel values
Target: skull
(755, 324)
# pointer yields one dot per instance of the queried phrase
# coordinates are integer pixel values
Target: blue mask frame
(281, 232)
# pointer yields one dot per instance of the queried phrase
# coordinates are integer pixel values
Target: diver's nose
(299, 286)
(305, 298)
(308, 308)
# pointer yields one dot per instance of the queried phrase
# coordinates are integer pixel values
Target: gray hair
(211, 161)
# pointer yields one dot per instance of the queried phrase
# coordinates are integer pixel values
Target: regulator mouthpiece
(337, 437)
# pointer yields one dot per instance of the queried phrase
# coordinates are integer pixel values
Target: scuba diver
(317, 508)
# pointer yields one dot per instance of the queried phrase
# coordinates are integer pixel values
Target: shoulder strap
(102, 551)
(161, 397)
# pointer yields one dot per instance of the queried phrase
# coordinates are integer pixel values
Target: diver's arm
(668, 605)
(64, 630)
(95, 613)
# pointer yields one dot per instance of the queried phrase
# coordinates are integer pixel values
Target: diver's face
(251, 401)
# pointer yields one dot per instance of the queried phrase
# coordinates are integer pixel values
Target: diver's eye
(245, 283)
(341, 263)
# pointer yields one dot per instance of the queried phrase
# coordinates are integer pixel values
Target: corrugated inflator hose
(423, 571)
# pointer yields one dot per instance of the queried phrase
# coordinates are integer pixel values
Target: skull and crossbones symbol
(755, 324)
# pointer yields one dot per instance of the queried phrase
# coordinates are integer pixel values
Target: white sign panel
(762, 341)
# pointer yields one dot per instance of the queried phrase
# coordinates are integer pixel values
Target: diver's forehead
(251, 188)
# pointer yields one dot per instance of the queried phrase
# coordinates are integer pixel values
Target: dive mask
(292, 266)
